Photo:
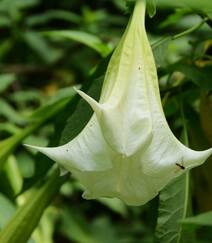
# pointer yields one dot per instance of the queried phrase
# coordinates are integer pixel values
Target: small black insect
(181, 166)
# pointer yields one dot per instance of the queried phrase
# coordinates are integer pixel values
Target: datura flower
(127, 149)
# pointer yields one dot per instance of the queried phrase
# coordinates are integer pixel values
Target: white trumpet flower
(127, 149)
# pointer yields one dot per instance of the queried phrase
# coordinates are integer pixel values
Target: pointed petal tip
(38, 148)
(53, 153)
(31, 146)
(93, 103)
(206, 154)
(196, 158)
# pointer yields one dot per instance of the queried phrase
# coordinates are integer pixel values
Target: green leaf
(26, 164)
(175, 17)
(5, 47)
(26, 218)
(41, 47)
(9, 128)
(6, 5)
(23, 96)
(7, 111)
(59, 100)
(173, 207)
(45, 230)
(120, 4)
(203, 5)
(80, 111)
(204, 219)
(10, 178)
(198, 75)
(5, 22)
(87, 39)
(5, 81)
(74, 228)
(7, 209)
(7, 146)
(38, 118)
(151, 8)
(160, 49)
(53, 14)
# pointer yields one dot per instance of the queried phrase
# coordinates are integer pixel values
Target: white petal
(127, 149)
(194, 158)
(87, 152)
(125, 117)
(126, 182)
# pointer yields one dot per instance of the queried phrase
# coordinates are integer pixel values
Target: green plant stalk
(181, 34)
(26, 218)
(187, 202)
(190, 30)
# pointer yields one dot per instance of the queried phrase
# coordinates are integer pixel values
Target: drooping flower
(127, 149)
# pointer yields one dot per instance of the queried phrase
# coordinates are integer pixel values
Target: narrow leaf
(10, 178)
(198, 75)
(151, 8)
(10, 113)
(87, 39)
(51, 15)
(172, 208)
(203, 5)
(175, 205)
(204, 219)
(7, 209)
(5, 81)
(26, 218)
(38, 118)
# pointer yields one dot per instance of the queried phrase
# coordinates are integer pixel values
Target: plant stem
(187, 202)
(179, 35)
(190, 30)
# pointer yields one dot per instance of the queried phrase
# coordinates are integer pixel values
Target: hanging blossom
(127, 149)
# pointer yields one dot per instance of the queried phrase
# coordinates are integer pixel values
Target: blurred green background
(48, 46)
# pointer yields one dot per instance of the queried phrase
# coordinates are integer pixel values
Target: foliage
(47, 47)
